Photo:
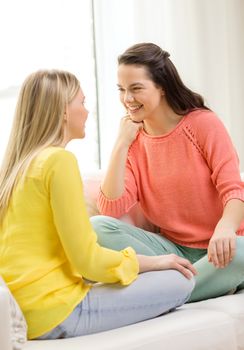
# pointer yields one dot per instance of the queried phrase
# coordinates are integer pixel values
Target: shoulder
(203, 123)
(206, 130)
(52, 154)
(54, 157)
(203, 118)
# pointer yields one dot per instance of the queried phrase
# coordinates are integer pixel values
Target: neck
(165, 121)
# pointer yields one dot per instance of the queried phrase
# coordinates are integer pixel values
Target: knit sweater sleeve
(121, 205)
(211, 138)
(79, 241)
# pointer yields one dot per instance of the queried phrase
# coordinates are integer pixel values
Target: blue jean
(111, 306)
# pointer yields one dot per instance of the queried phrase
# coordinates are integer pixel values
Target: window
(48, 34)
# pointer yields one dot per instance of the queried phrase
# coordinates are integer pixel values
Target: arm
(118, 189)
(76, 234)
(222, 245)
(113, 183)
(221, 157)
(164, 262)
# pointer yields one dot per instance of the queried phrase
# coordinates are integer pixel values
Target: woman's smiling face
(138, 93)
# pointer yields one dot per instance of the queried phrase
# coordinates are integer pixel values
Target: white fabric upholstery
(182, 329)
(14, 324)
(214, 324)
(5, 323)
(233, 305)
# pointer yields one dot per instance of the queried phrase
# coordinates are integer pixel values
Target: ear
(162, 92)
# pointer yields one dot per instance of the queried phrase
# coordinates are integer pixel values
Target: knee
(108, 232)
(187, 286)
(180, 287)
(184, 287)
(103, 225)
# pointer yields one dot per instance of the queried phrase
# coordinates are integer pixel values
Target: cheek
(84, 114)
(121, 97)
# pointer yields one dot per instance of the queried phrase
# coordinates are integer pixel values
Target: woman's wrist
(121, 145)
(146, 263)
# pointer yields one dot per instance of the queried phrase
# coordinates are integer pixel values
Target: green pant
(210, 281)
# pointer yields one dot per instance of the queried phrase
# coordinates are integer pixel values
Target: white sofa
(214, 324)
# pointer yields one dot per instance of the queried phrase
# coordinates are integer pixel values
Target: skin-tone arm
(113, 183)
(165, 262)
(222, 245)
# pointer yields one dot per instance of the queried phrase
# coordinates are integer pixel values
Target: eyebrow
(132, 85)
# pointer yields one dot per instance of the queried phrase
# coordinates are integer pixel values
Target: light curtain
(206, 42)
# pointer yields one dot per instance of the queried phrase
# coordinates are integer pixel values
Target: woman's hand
(128, 130)
(166, 262)
(222, 247)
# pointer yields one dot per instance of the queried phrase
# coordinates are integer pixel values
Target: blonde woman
(47, 244)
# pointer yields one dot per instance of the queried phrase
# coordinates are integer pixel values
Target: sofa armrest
(5, 321)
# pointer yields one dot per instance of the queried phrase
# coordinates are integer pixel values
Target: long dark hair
(163, 73)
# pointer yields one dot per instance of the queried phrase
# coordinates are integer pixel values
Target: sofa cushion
(232, 305)
(18, 327)
(181, 329)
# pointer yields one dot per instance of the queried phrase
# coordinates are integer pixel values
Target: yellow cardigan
(47, 244)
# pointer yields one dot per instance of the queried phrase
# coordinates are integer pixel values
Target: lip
(134, 109)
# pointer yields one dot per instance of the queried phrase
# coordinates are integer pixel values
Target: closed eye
(120, 88)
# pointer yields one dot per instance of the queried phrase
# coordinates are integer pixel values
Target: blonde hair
(38, 123)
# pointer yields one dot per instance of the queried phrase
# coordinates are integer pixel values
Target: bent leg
(112, 306)
(116, 234)
(212, 282)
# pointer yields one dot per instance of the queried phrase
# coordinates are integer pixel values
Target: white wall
(48, 34)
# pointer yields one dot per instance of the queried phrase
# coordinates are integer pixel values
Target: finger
(187, 273)
(220, 253)
(232, 249)
(126, 117)
(187, 264)
(213, 254)
(226, 252)
(190, 267)
(209, 255)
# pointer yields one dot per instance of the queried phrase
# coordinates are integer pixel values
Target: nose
(128, 97)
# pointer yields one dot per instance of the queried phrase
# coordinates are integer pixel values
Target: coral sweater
(182, 179)
(47, 244)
